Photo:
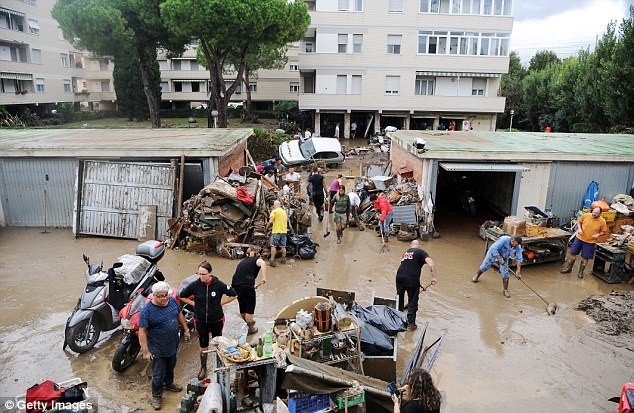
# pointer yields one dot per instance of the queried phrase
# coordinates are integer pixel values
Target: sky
(563, 26)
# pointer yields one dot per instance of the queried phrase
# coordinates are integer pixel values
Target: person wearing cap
(591, 227)
(159, 323)
(499, 253)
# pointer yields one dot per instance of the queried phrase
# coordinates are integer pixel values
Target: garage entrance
(467, 194)
(328, 122)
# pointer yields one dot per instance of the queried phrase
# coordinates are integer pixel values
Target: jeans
(385, 225)
(162, 373)
(412, 301)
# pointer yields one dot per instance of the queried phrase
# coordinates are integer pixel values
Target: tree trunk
(152, 99)
(247, 108)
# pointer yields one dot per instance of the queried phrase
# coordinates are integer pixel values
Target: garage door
(481, 167)
(113, 192)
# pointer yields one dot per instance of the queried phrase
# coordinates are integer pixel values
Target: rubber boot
(568, 264)
(582, 268)
(252, 328)
(475, 279)
(202, 374)
(339, 234)
(505, 283)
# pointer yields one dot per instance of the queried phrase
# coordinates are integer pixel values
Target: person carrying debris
(158, 337)
(208, 292)
(355, 203)
(277, 223)
(591, 227)
(316, 190)
(408, 279)
(386, 214)
(243, 282)
(341, 207)
(500, 252)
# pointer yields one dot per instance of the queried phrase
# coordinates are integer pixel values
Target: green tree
(511, 88)
(229, 31)
(102, 26)
(128, 83)
(542, 60)
(263, 57)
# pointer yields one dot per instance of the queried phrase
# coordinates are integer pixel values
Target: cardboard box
(514, 226)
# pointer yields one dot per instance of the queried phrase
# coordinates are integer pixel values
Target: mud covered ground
(614, 317)
(498, 354)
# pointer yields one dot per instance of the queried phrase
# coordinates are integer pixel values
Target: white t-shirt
(354, 199)
(353, 126)
(292, 177)
(336, 131)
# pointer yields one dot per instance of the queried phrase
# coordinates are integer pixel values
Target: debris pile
(614, 315)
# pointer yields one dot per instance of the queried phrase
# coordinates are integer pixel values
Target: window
(22, 54)
(358, 5)
(253, 87)
(394, 44)
(293, 87)
(396, 6)
(193, 65)
(105, 86)
(103, 65)
(342, 84)
(195, 86)
(424, 86)
(356, 84)
(309, 48)
(39, 85)
(342, 41)
(432, 42)
(165, 87)
(478, 86)
(392, 85)
(11, 19)
(36, 56)
(487, 7)
(163, 65)
(293, 67)
(176, 65)
(67, 88)
(34, 28)
(178, 87)
(64, 59)
(357, 43)
(343, 5)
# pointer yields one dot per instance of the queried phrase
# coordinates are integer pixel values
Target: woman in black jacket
(419, 394)
(208, 292)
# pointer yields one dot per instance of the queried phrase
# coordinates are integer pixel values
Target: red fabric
(624, 404)
(383, 206)
(46, 393)
(244, 196)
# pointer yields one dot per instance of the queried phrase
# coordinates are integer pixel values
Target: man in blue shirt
(158, 336)
(500, 252)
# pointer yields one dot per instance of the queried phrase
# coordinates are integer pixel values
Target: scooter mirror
(117, 265)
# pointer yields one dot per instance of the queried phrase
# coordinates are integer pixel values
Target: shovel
(384, 247)
(551, 308)
(422, 289)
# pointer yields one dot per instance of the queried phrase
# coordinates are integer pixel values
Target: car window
(307, 148)
(326, 155)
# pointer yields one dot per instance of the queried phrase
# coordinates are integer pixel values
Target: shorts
(213, 327)
(278, 240)
(586, 249)
(246, 298)
(340, 218)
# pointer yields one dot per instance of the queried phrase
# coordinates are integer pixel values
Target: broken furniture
(610, 263)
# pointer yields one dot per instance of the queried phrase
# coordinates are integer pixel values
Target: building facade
(411, 64)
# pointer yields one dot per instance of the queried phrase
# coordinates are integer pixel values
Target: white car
(302, 151)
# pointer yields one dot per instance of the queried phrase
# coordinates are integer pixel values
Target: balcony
(102, 96)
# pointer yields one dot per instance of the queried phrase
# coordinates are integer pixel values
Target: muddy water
(498, 354)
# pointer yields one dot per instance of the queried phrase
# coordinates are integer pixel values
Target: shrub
(264, 143)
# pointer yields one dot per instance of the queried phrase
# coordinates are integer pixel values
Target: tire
(126, 354)
(83, 336)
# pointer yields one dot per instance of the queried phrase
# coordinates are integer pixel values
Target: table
(536, 250)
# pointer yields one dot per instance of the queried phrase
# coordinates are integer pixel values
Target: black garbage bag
(385, 318)
(303, 246)
(375, 342)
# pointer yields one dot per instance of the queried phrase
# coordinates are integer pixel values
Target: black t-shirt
(412, 261)
(207, 298)
(416, 406)
(246, 272)
(317, 182)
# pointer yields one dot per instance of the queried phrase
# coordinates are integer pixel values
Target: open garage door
(113, 196)
(469, 193)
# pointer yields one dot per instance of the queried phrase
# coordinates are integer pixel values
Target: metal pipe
(296, 369)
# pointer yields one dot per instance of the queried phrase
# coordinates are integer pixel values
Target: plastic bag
(387, 319)
(133, 268)
(601, 204)
(592, 194)
(374, 342)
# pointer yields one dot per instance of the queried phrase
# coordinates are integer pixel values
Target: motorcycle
(106, 293)
(467, 198)
(130, 346)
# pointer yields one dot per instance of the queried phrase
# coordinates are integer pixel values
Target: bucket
(323, 317)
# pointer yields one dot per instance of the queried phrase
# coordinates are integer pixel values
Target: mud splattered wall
(233, 159)
(401, 157)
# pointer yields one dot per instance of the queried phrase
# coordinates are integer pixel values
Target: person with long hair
(419, 395)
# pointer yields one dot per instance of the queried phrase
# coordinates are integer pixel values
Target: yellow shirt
(591, 226)
(279, 221)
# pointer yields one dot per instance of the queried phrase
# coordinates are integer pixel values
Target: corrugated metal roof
(95, 143)
(481, 167)
(520, 145)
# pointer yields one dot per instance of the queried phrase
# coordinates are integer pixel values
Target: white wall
(326, 84)
(327, 5)
(533, 186)
(445, 87)
(327, 43)
(464, 88)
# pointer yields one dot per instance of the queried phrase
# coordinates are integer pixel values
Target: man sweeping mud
(500, 252)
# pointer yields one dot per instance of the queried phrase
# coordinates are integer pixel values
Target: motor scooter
(130, 346)
(467, 198)
(106, 293)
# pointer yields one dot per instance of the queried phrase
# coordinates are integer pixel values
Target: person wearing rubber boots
(408, 279)
(500, 252)
(341, 208)
(591, 227)
(243, 282)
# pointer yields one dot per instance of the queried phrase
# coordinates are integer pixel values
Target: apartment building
(39, 67)
(411, 64)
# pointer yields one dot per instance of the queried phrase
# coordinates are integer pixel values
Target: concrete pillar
(377, 123)
(317, 130)
(407, 119)
(346, 125)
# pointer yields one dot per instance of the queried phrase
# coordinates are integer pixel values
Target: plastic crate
(353, 399)
(308, 403)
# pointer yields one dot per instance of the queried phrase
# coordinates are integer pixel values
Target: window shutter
(396, 5)
(356, 84)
